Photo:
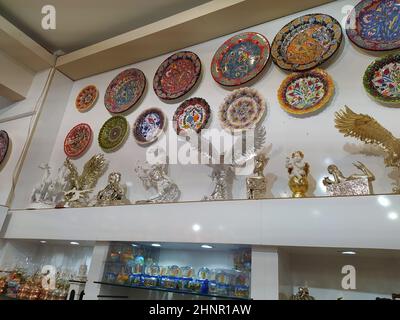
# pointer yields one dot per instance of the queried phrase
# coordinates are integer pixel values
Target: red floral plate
(78, 140)
(86, 98)
(240, 59)
(177, 75)
(4, 144)
(192, 114)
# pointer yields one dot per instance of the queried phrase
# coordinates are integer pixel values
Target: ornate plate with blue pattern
(148, 126)
(240, 59)
(192, 114)
(375, 25)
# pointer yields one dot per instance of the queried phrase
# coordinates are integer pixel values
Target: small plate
(240, 59)
(125, 90)
(113, 133)
(148, 126)
(78, 140)
(375, 25)
(307, 92)
(306, 42)
(192, 114)
(4, 144)
(382, 79)
(86, 98)
(177, 75)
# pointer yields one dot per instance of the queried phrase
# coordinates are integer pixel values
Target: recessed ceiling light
(349, 252)
(74, 243)
(393, 215)
(206, 246)
(156, 245)
(43, 241)
(196, 227)
(134, 245)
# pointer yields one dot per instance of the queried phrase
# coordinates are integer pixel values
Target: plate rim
(86, 147)
(7, 145)
(135, 124)
(185, 104)
(93, 102)
(122, 140)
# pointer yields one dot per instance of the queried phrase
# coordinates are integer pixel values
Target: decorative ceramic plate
(113, 133)
(242, 109)
(306, 42)
(149, 125)
(4, 144)
(302, 93)
(86, 98)
(375, 25)
(240, 59)
(78, 140)
(125, 90)
(177, 75)
(382, 79)
(191, 114)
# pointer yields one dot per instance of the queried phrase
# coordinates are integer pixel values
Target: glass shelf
(171, 290)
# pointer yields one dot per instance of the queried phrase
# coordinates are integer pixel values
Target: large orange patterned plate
(86, 98)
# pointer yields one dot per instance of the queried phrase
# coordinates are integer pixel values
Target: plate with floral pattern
(86, 98)
(78, 140)
(306, 92)
(4, 145)
(240, 59)
(375, 25)
(242, 109)
(306, 42)
(148, 126)
(113, 133)
(125, 90)
(177, 75)
(382, 79)
(192, 114)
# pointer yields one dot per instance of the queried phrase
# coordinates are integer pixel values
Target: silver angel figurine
(114, 193)
(355, 184)
(156, 177)
(221, 175)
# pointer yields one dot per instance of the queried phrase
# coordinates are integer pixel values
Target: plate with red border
(192, 114)
(86, 98)
(78, 140)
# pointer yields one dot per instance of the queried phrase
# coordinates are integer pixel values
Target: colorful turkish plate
(125, 90)
(177, 75)
(306, 42)
(148, 126)
(113, 133)
(192, 114)
(86, 98)
(78, 140)
(375, 25)
(240, 59)
(4, 144)
(306, 92)
(382, 79)
(242, 109)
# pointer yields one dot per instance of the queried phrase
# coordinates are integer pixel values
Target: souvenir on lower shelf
(242, 109)
(382, 79)
(355, 184)
(257, 185)
(4, 145)
(368, 130)
(125, 90)
(177, 75)
(78, 140)
(86, 98)
(302, 294)
(193, 114)
(240, 59)
(113, 133)
(307, 92)
(298, 171)
(375, 25)
(306, 42)
(149, 125)
(114, 193)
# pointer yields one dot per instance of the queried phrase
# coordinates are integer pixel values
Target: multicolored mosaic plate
(125, 90)
(306, 92)
(78, 140)
(192, 114)
(306, 42)
(148, 126)
(177, 75)
(240, 59)
(86, 98)
(242, 109)
(375, 25)
(4, 144)
(113, 133)
(382, 79)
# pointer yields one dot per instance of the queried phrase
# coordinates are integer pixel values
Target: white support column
(96, 269)
(264, 273)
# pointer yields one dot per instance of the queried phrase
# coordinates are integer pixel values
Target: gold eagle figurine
(368, 130)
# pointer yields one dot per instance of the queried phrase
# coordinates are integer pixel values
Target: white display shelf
(348, 222)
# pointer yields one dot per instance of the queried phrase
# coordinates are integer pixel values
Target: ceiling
(81, 23)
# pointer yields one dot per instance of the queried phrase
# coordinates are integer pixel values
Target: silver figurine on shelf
(355, 184)
(257, 185)
(221, 176)
(114, 193)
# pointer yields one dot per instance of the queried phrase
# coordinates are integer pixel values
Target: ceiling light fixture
(74, 243)
(206, 246)
(349, 252)
(156, 245)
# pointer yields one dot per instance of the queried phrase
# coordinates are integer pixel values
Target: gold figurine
(355, 184)
(298, 171)
(114, 193)
(257, 185)
(302, 294)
